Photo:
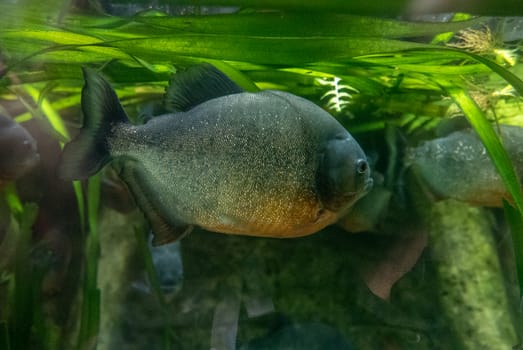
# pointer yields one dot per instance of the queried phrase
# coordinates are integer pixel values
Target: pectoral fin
(165, 228)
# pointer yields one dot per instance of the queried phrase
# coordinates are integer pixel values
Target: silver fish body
(263, 164)
(458, 166)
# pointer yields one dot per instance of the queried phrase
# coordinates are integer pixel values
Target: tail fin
(89, 151)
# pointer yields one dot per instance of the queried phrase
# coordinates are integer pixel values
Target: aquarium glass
(248, 174)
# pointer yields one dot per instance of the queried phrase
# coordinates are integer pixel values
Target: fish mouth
(367, 187)
(347, 199)
(352, 197)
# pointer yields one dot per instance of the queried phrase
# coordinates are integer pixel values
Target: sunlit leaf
(52, 116)
(278, 24)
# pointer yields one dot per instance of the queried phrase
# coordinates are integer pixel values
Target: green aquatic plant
(155, 284)
(22, 307)
(377, 71)
(90, 312)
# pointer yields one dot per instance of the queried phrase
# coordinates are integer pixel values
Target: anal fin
(165, 228)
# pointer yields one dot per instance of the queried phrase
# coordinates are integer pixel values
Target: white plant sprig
(339, 95)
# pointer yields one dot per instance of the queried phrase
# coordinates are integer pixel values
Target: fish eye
(362, 166)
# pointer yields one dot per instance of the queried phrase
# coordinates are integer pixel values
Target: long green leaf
(152, 276)
(21, 311)
(509, 77)
(90, 318)
(376, 8)
(278, 24)
(259, 50)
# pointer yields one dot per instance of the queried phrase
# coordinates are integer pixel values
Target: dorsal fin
(197, 84)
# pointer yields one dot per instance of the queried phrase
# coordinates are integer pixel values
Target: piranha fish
(18, 151)
(267, 164)
(458, 166)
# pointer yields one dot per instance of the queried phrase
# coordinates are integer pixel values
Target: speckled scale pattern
(234, 166)
(458, 166)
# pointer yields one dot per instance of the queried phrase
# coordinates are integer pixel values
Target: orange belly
(275, 218)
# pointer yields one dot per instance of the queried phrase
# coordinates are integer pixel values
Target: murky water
(427, 259)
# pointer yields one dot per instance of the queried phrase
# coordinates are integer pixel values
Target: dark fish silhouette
(18, 152)
(264, 164)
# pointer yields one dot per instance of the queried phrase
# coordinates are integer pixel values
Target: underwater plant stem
(93, 202)
(155, 283)
(149, 267)
(21, 306)
(90, 319)
(80, 201)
